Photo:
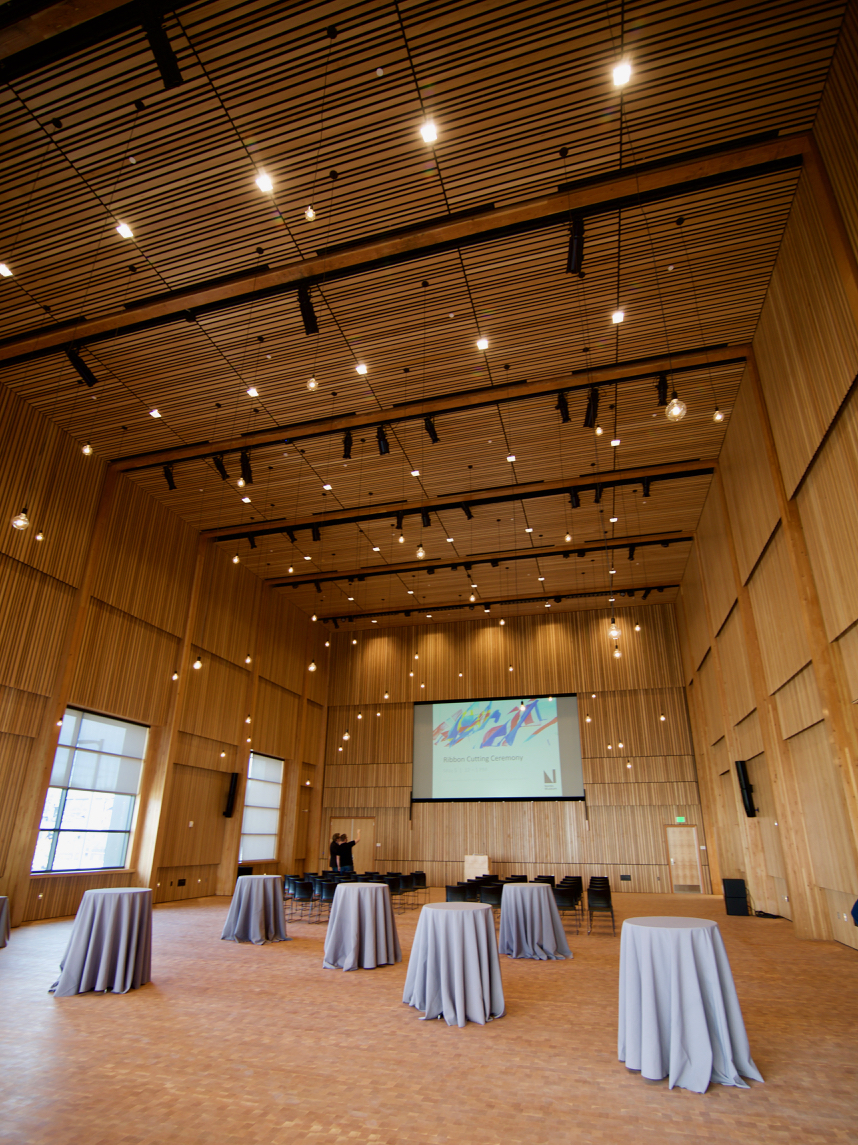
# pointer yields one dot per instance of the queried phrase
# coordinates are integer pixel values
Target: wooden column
(756, 873)
(151, 844)
(32, 800)
(826, 659)
(810, 918)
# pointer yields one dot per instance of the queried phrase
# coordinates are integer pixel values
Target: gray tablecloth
(454, 968)
(256, 913)
(530, 925)
(5, 930)
(361, 929)
(679, 1013)
(111, 943)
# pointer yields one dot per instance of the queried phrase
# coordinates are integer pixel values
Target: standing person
(345, 853)
(335, 851)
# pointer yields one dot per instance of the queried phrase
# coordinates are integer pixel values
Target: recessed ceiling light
(510, 457)
(360, 368)
(428, 131)
(415, 472)
(612, 571)
(5, 271)
(351, 598)
(376, 549)
(449, 540)
(528, 530)
(124, 231)
(622, 73)
(263, 182)
(374, 622)
(306, 558)
(615, 441)
(617, 317)
(613, 520)
(473, 586)
(246, 499)
(154, 413)
(327, 487)
(541, 578)
(482, 344)
(252, 392)
(411, 592)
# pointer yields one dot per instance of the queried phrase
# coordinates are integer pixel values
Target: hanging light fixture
(676, 408)
(40, 536)
(613, 631)
(309, 214)
(21, 521)
(617, 652)
(312, 384)
(175, 676)
(421, 552)
(717, 415)
(346, 735)
(311, 667)
(86, 449)
(197, 664)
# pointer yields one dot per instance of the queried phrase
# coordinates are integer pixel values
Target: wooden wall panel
(274, 730)
(767, 818)
(216, 699)
(314, 734)
(848, 648)
(125, 667)
(836, 125)
(715, 558)
(691, 595)
(711, 700)
(58, 896)
(198, 882)
(147, 561)
(634, 719)
(284, 649)
(21, 713)
(195, 821)
(783, 644)
(663, 794)
(197, 751)
(369, 775)
(386, 738)
(736, 673)
(749, 739)
(748, 486)
(644, 769)
(225, 619)
(828, 504)
(686, 654)
(730, 853)
(806, 344)
(799, 706)
(823, 810)
(34, 612)
(14, 761)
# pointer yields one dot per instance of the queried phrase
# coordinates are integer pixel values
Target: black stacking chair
(567, 903)
(516, 879)
(325, 897)
(394, 885)
(545, 879)
(472, 890)
(406, 890)
(599, 902)
(456, 894)
(303, 900)
(491, 894)
(421, 890)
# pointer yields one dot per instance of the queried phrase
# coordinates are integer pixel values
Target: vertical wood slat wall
(134, 623)
(620, 828)
(791, 653)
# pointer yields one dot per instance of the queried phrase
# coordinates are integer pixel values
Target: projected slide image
(497, 746)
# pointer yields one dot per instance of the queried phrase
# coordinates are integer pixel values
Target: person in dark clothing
(335, 851)
(345, 853)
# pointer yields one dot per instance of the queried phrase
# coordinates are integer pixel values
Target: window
(261, 809)
(89, 808)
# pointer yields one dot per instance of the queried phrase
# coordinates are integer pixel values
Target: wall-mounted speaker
(747, 789)
(230, 798)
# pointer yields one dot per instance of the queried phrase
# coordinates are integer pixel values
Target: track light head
(251, 540)
(308, 314)
(347, 445)
(81, 368)
(592, 411)
(429, 426)
(466, 509)
(383, 444)
(425, 518)
(632, 552)
(574, 499)
(317, 536)
(290, 534)
(217, 461)
(168, 476)
(662, 389)
(646, 593)
(645, 485)
(563, 406)
(400, 517)
(246, 471)
(575, 254)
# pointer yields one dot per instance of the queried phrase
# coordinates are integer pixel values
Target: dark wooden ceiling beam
(607, 479)
(499, 602)
(302, 580)
(648, 183)
(447, 403)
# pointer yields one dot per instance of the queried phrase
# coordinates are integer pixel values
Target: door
(684, 853)
(364, 853)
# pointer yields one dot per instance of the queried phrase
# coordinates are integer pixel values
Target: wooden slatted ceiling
(507, 85)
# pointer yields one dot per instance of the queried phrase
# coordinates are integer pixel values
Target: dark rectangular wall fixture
(230, 798)
(747, 789)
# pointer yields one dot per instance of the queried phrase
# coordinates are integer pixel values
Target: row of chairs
(309, 897)
(568, 895)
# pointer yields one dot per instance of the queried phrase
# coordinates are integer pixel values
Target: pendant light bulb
(617, 652)
(21, 521)
(472, 598)
(197, 663)
(346, 735)
(236, 559)
(86, 449)
(622, 73)
(312, 384)
(40, 536)
(421, 552)
(599, 431)
(311, 667)
(675, 409)
(568, 537)
(614, 631)
(309, 214)
(175, 676)
(717, 415)
(241, 483)
(401, 539)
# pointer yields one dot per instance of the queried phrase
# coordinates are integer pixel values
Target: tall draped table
(4, 921)
(530, 925)
(256, 913)
(454, 969)
(361, 928)
(679, 1013)
(111, 943)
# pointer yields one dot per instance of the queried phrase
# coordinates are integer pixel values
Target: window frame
(242, 833)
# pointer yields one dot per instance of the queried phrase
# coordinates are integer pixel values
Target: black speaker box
(736, 906)
(734, 888)
(230, 798)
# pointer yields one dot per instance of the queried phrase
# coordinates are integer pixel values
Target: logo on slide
(550, 780)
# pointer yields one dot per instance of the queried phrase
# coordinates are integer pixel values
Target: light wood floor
(234, 1043)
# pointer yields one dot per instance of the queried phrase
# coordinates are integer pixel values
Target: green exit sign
(680, 818)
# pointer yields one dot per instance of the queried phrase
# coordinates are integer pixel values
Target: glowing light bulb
(428, 131)
(197, 664)
(662, 718)
(240, 483)
(617, 317)
(247, 719)
(617, 653)
(40, 536)
(311, 667)
(247, 659)
(510, 667)
(568, 537)
(175, 676)
(124, 231)
(387, 695)
(472, 598)
(675, 409)
(346, 735)
(327, 643)
(637, 628)
(717, 415)
(86, 449)
(290, 569)
(502, 623)
(312, 384)
(622, 73)
(314, 617)
(21, 521)
(309, 214)
(421, 552)
(613, 631)
(587, 720)
(401, 539)
(599, 431)
(236, 559)
(263, 182)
